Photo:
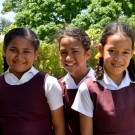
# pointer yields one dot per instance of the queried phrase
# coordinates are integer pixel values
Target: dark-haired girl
(74, 48)
(28, 103)
(106, 102)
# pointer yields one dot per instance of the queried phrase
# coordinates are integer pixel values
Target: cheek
(61, 59)
(107, 56)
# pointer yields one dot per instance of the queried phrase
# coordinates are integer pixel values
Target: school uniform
(69, 92)
(25, 104)
(112, 107)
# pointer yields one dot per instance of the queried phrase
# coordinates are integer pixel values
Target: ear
(88, 54)
(36, 54)
(100, 49)
(4, 51)
(133, 52)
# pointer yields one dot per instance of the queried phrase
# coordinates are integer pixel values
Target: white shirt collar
(69, 81)
(108, 83)
(13, 80)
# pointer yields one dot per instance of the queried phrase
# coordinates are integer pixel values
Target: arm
(86, 125)
(58, 121)
(55, 100)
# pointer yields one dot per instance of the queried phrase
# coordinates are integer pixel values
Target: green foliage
(128, 20)
(4, 23)
(12, 5)
(98, 14)
(6, 29)
(1, 58)
(95, 35)
(48, 60)
(47, 32)
(47, 14)
(128, 7)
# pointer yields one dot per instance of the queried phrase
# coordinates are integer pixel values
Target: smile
(70, 64)
(117, 65)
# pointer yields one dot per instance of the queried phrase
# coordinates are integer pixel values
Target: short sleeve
(53, 93)
(83, 102)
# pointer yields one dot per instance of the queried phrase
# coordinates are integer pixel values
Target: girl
(74, 47)
(106, 102)
(27, 97)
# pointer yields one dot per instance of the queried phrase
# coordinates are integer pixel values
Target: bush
(1, 58)
(48, 60)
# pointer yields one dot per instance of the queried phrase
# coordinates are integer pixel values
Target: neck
(118, 79)
(78, 77)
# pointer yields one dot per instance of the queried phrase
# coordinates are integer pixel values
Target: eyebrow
(123, 49)
(23, 48)
(74, 48)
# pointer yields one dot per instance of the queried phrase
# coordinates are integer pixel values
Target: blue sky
(9, 15)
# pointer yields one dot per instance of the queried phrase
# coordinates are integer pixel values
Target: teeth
(116, 65)
(70, 64)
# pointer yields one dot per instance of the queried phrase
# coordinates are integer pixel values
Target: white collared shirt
(83, 102)
(70, 83)
(51, 86)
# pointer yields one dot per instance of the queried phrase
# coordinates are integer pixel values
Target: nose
(19, 55)
(69, 57)
(118, 57)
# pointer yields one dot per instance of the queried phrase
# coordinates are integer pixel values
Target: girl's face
(116, 54)
(20, 55)
(73, 56)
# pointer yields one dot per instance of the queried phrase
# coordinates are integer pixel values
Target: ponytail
(99, 72)
(131, 69)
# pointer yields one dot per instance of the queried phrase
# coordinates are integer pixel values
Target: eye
(126, 53)
(111, 50)
(13, 50)
(63, 52)
(75, 51)
(26, 52)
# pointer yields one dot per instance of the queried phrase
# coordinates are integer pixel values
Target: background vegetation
(47, 17)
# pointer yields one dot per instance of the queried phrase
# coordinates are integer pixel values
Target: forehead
(20, 42)
(119, 41)
(70, 42)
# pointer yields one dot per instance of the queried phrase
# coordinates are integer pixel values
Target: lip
(117, 65)
(19, 63)
(69, 64)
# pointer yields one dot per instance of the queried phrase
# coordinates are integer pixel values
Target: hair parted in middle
(78, 34)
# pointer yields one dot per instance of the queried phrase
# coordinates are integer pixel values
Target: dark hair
(22, 32)
(78, 34)
(112, 29)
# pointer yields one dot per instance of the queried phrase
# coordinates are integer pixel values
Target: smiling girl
(106, 102)
(74, 48)
(27, 97)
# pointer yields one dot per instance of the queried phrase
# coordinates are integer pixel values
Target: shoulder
(89, 80)
(50, 80)
(60, 80)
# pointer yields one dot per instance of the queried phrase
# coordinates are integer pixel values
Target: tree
(98, 14)
(4, 23)
(101, 12)
(12, 5)
(46, 17)
(45, 11)
(38, 14)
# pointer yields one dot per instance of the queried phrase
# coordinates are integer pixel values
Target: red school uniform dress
(114, 110)
(24, 109)
(70, 89)
(112, 107)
